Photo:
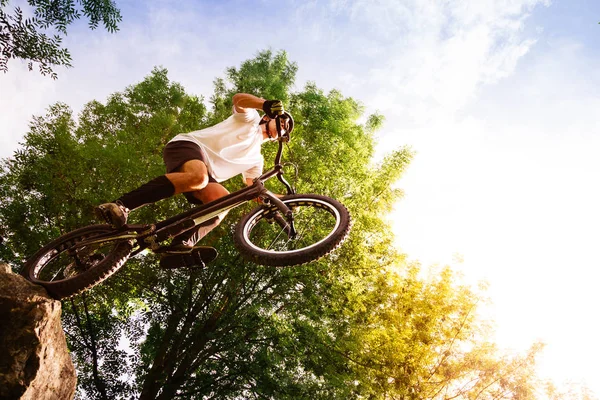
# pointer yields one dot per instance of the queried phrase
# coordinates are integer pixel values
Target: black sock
(151, 192)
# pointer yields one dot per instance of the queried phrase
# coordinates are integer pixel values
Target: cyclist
(196, 163)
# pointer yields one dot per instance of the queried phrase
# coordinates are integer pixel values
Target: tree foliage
(38, 39)
(361, 323)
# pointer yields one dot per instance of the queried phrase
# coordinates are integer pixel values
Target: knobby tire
(117, 254)
(267, 220)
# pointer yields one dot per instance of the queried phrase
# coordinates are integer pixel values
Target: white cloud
(20, 98)
(451, 50)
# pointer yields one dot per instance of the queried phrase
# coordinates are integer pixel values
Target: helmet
(286, 116)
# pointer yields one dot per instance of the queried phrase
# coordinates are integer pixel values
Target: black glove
(273, 108)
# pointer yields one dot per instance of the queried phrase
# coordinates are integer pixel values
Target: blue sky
(499, 99)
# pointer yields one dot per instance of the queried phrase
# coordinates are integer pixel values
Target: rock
(34, 359)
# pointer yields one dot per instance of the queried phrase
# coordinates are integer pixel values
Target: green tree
(38, 39)
(361, 323)
(61, 172)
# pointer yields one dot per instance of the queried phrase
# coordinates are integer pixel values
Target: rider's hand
(273, 108)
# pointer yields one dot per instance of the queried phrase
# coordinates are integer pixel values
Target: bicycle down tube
(198, 215)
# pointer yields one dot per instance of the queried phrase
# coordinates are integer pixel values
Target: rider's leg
(190, 177)
(157, 189)
(193, 176)
(182, 251)
(211, 192)
(117, 211)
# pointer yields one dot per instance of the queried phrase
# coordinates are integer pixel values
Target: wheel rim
(315, 221)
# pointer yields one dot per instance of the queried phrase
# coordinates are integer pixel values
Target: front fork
(287, 221)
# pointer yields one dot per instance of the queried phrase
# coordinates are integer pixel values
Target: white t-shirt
(231, 147)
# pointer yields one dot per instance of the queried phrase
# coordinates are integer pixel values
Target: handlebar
(278, 170)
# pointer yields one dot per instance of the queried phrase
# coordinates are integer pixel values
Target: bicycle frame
(151, 235)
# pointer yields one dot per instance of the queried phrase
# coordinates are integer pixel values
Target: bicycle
(291, 230)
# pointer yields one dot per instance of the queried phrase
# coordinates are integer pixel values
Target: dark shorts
(175, 154)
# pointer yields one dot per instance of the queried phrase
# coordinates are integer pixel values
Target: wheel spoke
(303, 226)
(74, 260)
(309, 219)
(320, 225)
(67, 266)
(55, 275)
(270, 246)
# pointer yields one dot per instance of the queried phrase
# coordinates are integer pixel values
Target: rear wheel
(65, 268)
(321, 224)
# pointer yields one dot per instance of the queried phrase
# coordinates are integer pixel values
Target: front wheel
(65, 267)
(321, 224)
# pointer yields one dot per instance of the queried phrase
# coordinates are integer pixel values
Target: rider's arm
(241, 101)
